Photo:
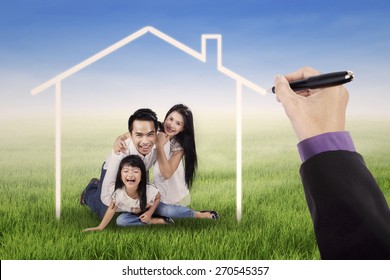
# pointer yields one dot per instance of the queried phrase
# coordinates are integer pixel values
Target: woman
(175, 145)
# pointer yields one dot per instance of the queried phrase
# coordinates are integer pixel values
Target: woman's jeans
(174, 211)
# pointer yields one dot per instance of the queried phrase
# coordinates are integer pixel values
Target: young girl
(173, 178)
(133, 196)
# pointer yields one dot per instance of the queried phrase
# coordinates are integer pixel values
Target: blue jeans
(174, 211)
(92, 196)
(128, 219)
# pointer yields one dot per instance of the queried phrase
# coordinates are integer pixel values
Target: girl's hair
(134, 161)
(186, 139)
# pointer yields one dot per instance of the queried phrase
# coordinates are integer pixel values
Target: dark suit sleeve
(350, 215)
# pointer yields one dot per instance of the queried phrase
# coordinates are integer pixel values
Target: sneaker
(167, 220)
(82, 196)
(214, 214)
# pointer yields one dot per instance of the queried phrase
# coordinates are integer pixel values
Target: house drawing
(240, 83)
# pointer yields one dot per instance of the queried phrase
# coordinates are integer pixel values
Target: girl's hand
(92, 229)
(145, 218)
(162, 139)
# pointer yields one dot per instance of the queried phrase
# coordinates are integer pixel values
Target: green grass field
(275, 222)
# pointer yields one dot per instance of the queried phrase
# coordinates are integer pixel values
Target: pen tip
(270, 90)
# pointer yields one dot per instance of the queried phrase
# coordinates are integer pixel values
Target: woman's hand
(162, 139)
(120, 145)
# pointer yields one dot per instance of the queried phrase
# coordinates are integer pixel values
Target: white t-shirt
(112, 164)
(173, 190)
(127, 204)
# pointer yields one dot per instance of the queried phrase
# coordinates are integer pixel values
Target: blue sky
(40, 39)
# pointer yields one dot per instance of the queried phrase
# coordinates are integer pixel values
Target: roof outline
(201, 56)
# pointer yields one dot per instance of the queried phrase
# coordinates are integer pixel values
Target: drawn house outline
(240, 82)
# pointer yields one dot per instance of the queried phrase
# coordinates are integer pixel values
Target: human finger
(302, 73)
(283, 91)
(144, 218)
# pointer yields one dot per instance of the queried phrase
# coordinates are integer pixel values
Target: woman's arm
(119, 144)
(167, 167)
(106, 219)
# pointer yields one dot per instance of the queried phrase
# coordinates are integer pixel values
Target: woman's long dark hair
(186, 139)
(134, 161)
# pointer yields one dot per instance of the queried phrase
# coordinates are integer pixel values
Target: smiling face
(131, 177)
(143, 136)
(174, 124)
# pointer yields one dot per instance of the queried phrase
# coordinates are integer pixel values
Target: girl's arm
(147, 216)
(167, 167)
(119, 145)
(106, 219)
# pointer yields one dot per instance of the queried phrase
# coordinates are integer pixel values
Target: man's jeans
(92, 196)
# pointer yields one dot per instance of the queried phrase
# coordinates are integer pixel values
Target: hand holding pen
(321, 81)
(323, 111)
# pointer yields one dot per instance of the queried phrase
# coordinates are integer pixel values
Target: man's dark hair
(144, 114)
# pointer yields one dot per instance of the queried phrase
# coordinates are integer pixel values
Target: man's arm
(108, 186)
(350, 215)
(331, 141)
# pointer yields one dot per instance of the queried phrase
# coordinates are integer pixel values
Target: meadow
(275, 223)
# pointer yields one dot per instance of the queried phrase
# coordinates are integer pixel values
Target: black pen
(321, 81)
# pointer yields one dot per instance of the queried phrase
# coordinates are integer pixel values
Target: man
(142, 125)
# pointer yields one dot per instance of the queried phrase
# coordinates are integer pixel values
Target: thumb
(283, 91)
